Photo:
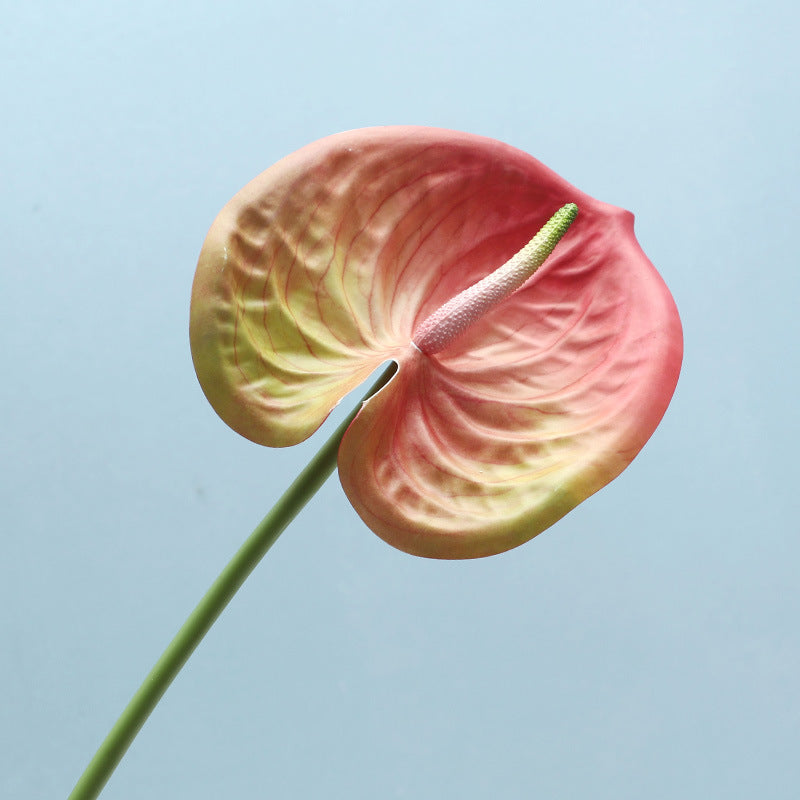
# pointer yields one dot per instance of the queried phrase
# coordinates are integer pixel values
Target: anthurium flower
(346, 254)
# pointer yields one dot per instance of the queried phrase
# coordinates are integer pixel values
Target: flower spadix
(456, 315)
(523, 385)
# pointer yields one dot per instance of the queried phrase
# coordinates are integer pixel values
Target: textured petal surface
(320, 270)
(292, 304)
(479, 448)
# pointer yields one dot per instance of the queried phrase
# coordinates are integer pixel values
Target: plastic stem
(191, 633)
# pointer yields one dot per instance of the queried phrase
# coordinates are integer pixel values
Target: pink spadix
(457, 314)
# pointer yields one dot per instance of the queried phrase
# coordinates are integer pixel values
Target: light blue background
(645, 647)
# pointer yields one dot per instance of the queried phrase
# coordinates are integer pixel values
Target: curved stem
(215, 600)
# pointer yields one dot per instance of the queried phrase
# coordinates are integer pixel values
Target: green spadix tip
(552, 231)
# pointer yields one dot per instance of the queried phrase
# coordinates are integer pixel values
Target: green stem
(119, 739)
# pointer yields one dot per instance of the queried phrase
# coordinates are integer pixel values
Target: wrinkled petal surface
(319, 271)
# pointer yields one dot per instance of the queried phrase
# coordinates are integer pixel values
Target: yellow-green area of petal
(288, 313)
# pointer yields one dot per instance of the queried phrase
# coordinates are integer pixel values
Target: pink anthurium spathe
(336, 260)
(529, 371)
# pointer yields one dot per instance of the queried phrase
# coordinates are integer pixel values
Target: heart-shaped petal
(322, 268)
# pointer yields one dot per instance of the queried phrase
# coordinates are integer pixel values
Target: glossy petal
(321, 269)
